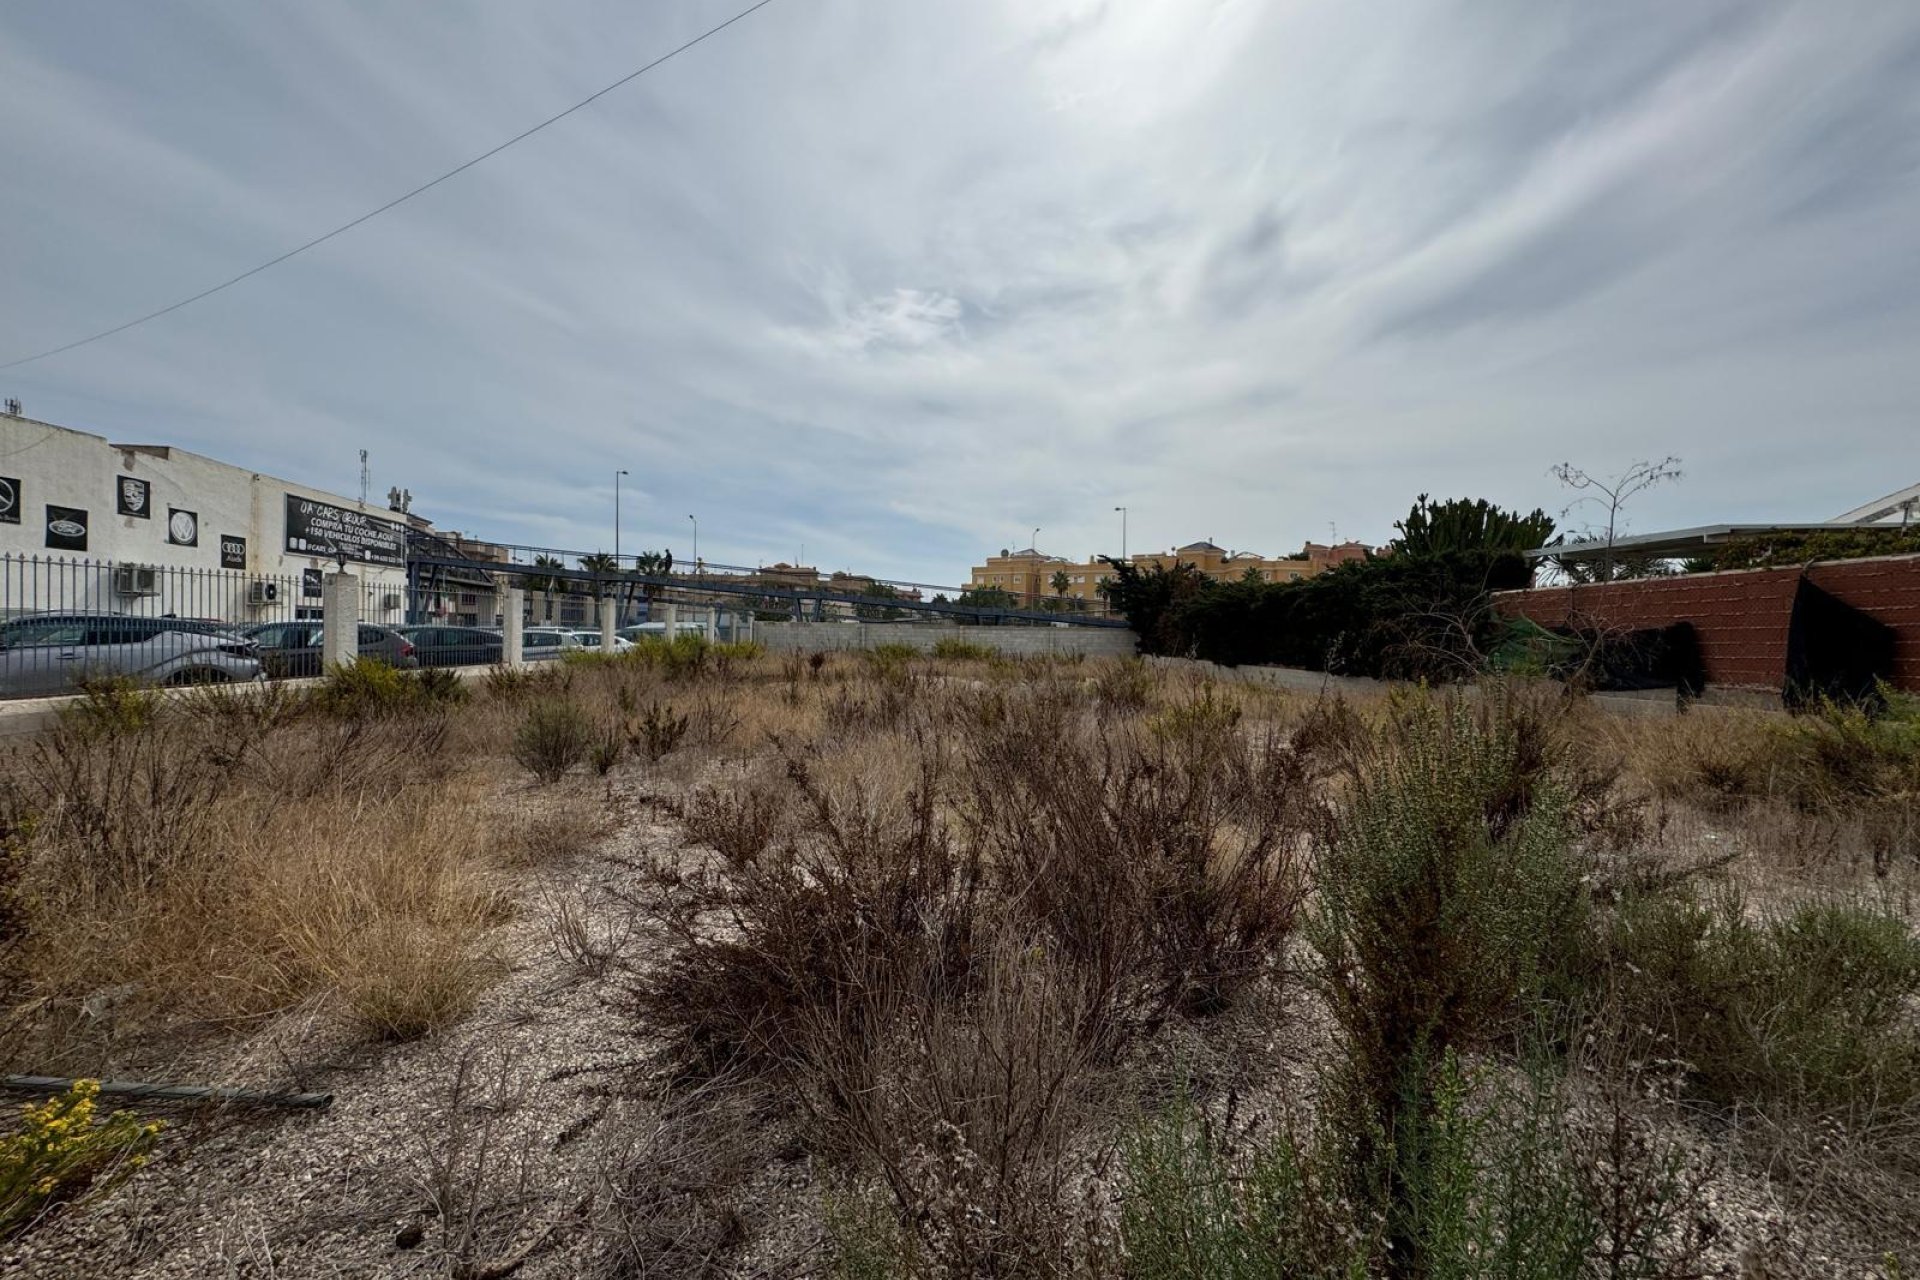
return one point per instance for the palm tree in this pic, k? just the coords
(602, 566)
(544, 583)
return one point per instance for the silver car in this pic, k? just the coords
(45, 654)
(543, 643)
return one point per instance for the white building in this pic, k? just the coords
(86, 523)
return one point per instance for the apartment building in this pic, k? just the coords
(1033, 575)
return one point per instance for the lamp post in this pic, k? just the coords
(696, 544)
(1123, 533)
(616, 520)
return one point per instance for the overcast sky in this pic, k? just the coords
(899, 280)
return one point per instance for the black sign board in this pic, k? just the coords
(9, 500)
(312, 585)
(183, 527)
(133, 496)
(322, 529)
(66, 528)
(233, 552)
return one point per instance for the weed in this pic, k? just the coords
(61, 1152)
(110, 705)
(739, 822)
(658, 732)
(1801, 1012)
(554, 736)
(607, 749)
(1448, 899)
(954, 649)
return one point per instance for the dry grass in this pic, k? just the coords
(934, 915)
(218, 864)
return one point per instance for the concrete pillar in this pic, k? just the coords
(339, 620)
(512, 619)
(713, 625)
(609, 611)
(670, 615)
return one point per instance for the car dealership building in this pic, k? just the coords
(90, 524)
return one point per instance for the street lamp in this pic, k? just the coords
(696, 544)
(1123, 533)
(616, 519)
(1035, 544)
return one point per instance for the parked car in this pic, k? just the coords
(436, 646)
(591, 640)
(539, 644)
(51, 653)
(292, 649)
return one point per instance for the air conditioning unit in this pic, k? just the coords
(390, 601)
(263, 593)
(136, 580)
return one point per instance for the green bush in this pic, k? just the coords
(890, 660)
(954, 649)
(555, 736)
(111, 705)
(1804, 1012)
(1508, 1187)
(1193, 1205)
(368, 688)
(1451, 906)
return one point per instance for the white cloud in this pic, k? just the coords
(902, 282)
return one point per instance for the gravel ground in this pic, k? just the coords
(543, 1090)
(551, 1073)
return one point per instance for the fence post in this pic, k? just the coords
(670, 614)
(339, 620)
(609, 607)
(713, 625)
(512, 618)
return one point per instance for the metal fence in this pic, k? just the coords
(55, 584)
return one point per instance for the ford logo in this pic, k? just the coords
(66, 528)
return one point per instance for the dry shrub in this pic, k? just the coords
(969, 1107)
(1168, 865)
(876, 700)
(657, 731)
(878, 889)
(1124, 685)
(557, 831)
(117, 814)
(554, 737)
(311, 758)
(586, 943)
(672, 1187)
(739, 821)
(477, 1164)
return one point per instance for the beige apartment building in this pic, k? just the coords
(1034, 576)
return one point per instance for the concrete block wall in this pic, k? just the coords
(816, 637)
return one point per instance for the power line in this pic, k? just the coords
(397, 201)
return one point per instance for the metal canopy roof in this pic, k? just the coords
(1677, 543)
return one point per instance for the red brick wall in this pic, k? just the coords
(1887, 588)
(1742, 616)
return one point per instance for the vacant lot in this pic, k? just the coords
(699, 962)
